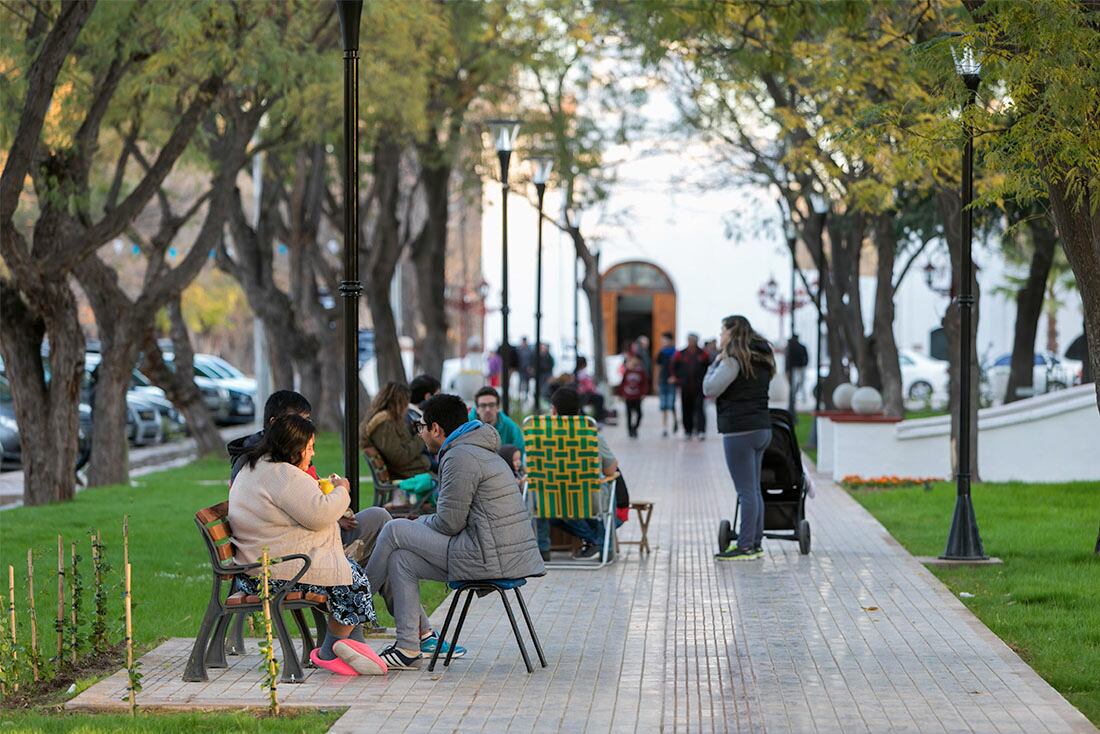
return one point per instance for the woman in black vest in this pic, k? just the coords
(738, 379)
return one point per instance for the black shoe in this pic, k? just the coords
(587, 550)
(545, 556)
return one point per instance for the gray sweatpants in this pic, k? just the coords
(744, 459)
(406, 552)
(370, 523)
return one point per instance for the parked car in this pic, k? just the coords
(216, 397)
(143, 395)
(1050, 373)
(11, 450)
(144, 423)
(923, 379)
(242, 389)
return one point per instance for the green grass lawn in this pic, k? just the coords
(171, 570)
(1044, 601)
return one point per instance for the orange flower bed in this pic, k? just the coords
(854, 481)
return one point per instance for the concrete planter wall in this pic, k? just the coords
(1049, 438)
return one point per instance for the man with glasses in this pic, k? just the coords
(487, 410)
(481, 529)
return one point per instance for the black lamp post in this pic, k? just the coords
(964, 543)
(504, 134)
(573, 221)
(543, 167)
(351, 287)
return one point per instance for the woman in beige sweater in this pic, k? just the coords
(275, 504)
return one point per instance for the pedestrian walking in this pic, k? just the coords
(525, 367)
(797, 361)
(689, 367)
(634, 387)
(666, 390)
(738, 380)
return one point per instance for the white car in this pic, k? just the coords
(1050, 373)
(923, 380)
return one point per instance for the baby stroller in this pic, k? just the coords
(783, 485)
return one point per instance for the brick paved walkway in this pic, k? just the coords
(857, 636)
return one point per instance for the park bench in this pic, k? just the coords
(209, 648)
(385, 487)
(564, 477)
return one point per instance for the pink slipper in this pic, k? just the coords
(336, 665)
(360, 657)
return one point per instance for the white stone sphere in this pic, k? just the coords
(842, 396)
(867, 401)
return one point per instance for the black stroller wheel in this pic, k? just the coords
(804, 537)
(725, 535)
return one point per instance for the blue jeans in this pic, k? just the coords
(667, 393)
(591, 531)
(744, 459)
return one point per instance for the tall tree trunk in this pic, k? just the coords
(1029, 307)
(382, 257)
(885, 345)
(429, 256)
(1078, 222)
(949, 204)
(110, 459)
(177, 384)
(590, 284)
(47, 413)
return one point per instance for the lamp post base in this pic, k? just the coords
(964, 542)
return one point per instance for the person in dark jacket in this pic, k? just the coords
(363, 525)
(689, 366)
(481, 528)
(738, 380)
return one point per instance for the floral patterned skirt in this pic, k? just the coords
(352, 604)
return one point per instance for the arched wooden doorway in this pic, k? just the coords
(638, 298)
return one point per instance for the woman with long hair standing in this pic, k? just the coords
(738, 380)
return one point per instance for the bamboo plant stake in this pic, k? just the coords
(4, 673)
(11, 621)
(272, 677)
(125, 541)
(74, 608)
(132, 684)
(60, 625)
(34, 616)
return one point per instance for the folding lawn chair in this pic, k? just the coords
(564, 477)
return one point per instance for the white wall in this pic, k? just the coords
(1049, 438)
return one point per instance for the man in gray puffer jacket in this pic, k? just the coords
(481, 528)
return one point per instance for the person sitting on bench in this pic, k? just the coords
(386, 430)
(362, 526)
(481, 529)
(275, 505)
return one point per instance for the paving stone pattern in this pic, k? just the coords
(855, 637)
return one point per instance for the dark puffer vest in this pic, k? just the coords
(743, 406)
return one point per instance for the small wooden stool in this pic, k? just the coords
(645, 514)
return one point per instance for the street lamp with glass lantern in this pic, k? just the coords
(504, 133)
(542, 168)
(964, 542)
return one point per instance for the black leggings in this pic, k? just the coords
(633, 416)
